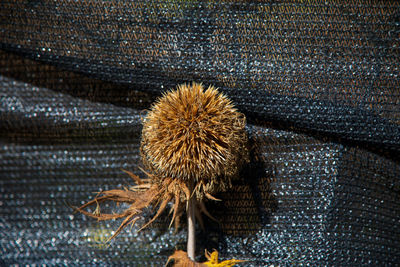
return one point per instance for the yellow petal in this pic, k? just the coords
(213, 260)
(182, 260)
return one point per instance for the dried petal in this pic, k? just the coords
(140, 197)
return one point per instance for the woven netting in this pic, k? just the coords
(319, 82)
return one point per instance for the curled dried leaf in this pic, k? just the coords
(181, 259)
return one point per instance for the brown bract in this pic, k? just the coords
(142, 195)
(195, 135)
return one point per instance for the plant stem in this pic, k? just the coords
(191, 240)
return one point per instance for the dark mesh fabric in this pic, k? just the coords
(319, 82)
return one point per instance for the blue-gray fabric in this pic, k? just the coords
(317, 80)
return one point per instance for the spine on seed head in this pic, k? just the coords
(195, 134)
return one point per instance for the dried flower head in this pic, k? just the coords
(195, 135)
(193, 141)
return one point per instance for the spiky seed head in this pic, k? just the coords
(195, 135)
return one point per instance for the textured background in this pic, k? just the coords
(318, 81)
